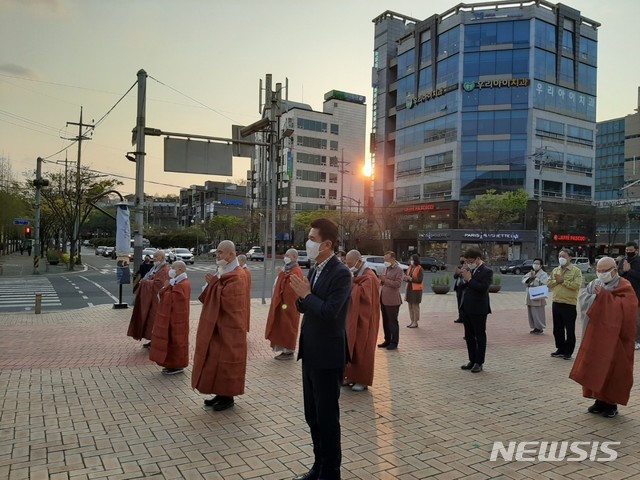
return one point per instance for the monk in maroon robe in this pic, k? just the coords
(363, 322)
(242, 261)
(283, 321)
(220, 360)
(146, 302)
(170, 341)
(604, 364)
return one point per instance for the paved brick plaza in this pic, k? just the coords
(81, 400)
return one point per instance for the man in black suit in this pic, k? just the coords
(474, 307)
(324, 299)
(457, 285)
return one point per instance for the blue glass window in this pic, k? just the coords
(449, 42)
(545, 65)
(405, 63)
(425, 80)
(566, 72)
(587, 78)
(567, 43)
(472, 37)
(425, 53)
(588, 51)
(545, 35)
(447, 73)
(406, 87)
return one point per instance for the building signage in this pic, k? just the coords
(492, 236)
(433, 236)
(514, 82)
(419, 208)
(571, 238)
(345, 96)
(425, 97)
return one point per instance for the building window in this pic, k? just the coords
(437, 190)
(333, 194)
(549, 128)
(579, 192)
(409, 167)
(311, 176)
(411, 192)
(425, 53)
(545, 65)
(333, 161)
(449, 42)
(566, 73)
(439, 161)
(545, 35)
(405, 63)
(313, 125)
(335, 129)
(312, 142)
(310, 158)
(310, 192)
(567, 43)
(333, 145)
(588, 51)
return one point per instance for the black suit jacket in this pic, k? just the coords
(475, 300)
(323, 334)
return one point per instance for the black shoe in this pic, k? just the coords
(212, 401)
(383, 345)
(538, 331)
(223, 404)
(310, 475)
(392, 346)
(477, 367)
(610, 412)
(567, 357)
(557, 353)
(172, 371)
(458, 321)
(467, 366)
(147, 345)
(597, 407)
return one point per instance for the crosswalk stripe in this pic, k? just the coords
(21, 292)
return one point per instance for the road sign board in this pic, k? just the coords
(19, 221)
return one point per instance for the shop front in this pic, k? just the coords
(581, 245)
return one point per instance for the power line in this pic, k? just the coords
(56, 84)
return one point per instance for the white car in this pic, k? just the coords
(583, 263)
(376, 263)
(255, 253)
(184, 254)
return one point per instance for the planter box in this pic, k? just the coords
(440, 289)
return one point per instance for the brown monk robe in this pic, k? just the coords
(284, 318)
(363, 322)
(242, 261)
(170, 342)
(220, 360)
(604, 364)
(146, 304)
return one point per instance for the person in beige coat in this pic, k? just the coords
(390, 300)
(535, 306)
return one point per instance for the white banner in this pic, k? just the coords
(123, 231)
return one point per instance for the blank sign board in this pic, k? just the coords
(197, 156)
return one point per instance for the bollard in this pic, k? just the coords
(38, 303)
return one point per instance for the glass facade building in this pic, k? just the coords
(489, 96)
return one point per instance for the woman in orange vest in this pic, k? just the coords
(413, 296)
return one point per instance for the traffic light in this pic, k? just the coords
(27, 232)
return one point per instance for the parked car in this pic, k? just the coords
(255, 253)
(100, 250)
(185, 255)
(303, 259)
(169, 256)
(109, 252)
(517, 267)
(376, 263)
(148, 251)
(430, 263)
(583, 263)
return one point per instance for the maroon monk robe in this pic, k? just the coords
(220, 360)
(362, 327)
(284, 318)
(604, 364)
(170, 341)
(146, 305)
(247, 272)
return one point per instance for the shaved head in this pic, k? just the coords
(158, 256)
(242, 260)
(352, 258)
(605, 264)
(180, 267)
(227, 246)
(292, 253)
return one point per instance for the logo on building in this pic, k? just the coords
(425, 97)
(513, 82)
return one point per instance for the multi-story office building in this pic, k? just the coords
(320, 165)
(200, 203)
(494, 95)
(618, 182)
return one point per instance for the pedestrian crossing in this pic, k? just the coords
(18, 292)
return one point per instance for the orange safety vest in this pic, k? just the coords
(413, 273)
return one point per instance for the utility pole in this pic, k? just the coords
(38, 183)
(139, 153)
(342, 171)
(75, 241)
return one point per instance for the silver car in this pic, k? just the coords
(376, 263)
(185, 255)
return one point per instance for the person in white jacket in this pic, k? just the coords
(536, 302)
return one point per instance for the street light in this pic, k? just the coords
(537, 156)
(353, 200)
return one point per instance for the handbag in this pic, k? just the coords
(537, 293)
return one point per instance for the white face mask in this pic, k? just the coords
(313, 249)
(562, 261)
(286, 260)
(156, 263)
(387, 264)
(537, 266)
(222, 263)
(413, 263)
(472, 265)
(172, 273)
(605, 277)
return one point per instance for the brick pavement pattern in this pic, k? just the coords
(81, 400)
